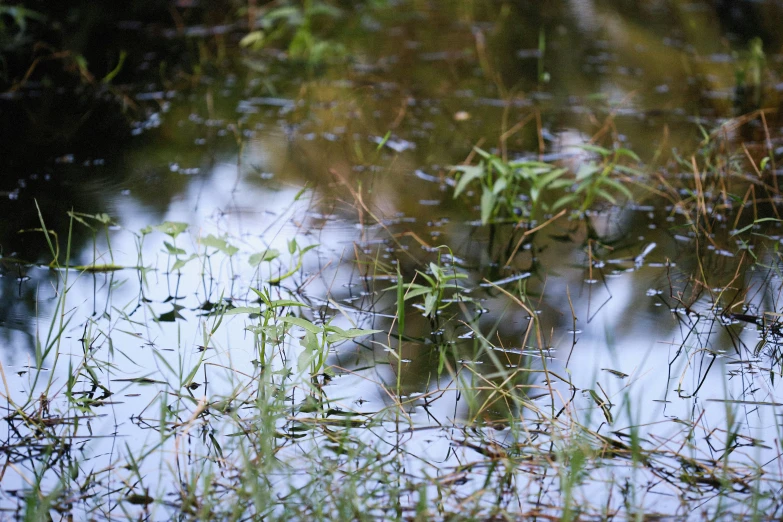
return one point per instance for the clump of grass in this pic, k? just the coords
(254, 398)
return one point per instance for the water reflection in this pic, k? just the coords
(618, 307)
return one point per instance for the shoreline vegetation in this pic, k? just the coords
(316, 261)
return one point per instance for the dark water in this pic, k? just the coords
(632, 303)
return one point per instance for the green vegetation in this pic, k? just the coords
(516, 190)
(279, 298)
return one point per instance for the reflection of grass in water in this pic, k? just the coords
(279, 437)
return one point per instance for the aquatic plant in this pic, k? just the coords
(513, 191)
(296, 25)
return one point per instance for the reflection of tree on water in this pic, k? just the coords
(19, 300)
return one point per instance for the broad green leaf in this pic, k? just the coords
(499, 166)
(430, 280)
(304, 360)
(586, 170)
(469, 173)
(303, 323)
(500, 186)
(219, 244)
(171, 228)
(534, 193)
(430, 305)
(267, 255)
(546, 179)
(417, 292)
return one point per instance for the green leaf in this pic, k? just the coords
(219, 244)
(352, 333)
(300, 193)
(546, 179)
(383, 141)
(182, 262)
(306, 249)
(488, 201)
(628, 170)
(619, 187)
(417, 292)
(586, 170)
(303, 323)
(267, 255)
(756, 222)
(174, 251)
(171, 228)
(629, 153)
(500, 186)
(499, 166)
(527, 164)
(534, 193)
(284, 302)
(484, 154)
(304, 360)
(244, 310)
(608, 197)
(594, 148)
(469, 174)
(430, 305)
(565, 200)
(114, 72)
(561, 183)
(254, 39)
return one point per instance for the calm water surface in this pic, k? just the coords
(370, 136)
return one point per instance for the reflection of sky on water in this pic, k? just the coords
(626, 331)
(332, 134)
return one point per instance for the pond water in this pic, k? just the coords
(221, 335)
